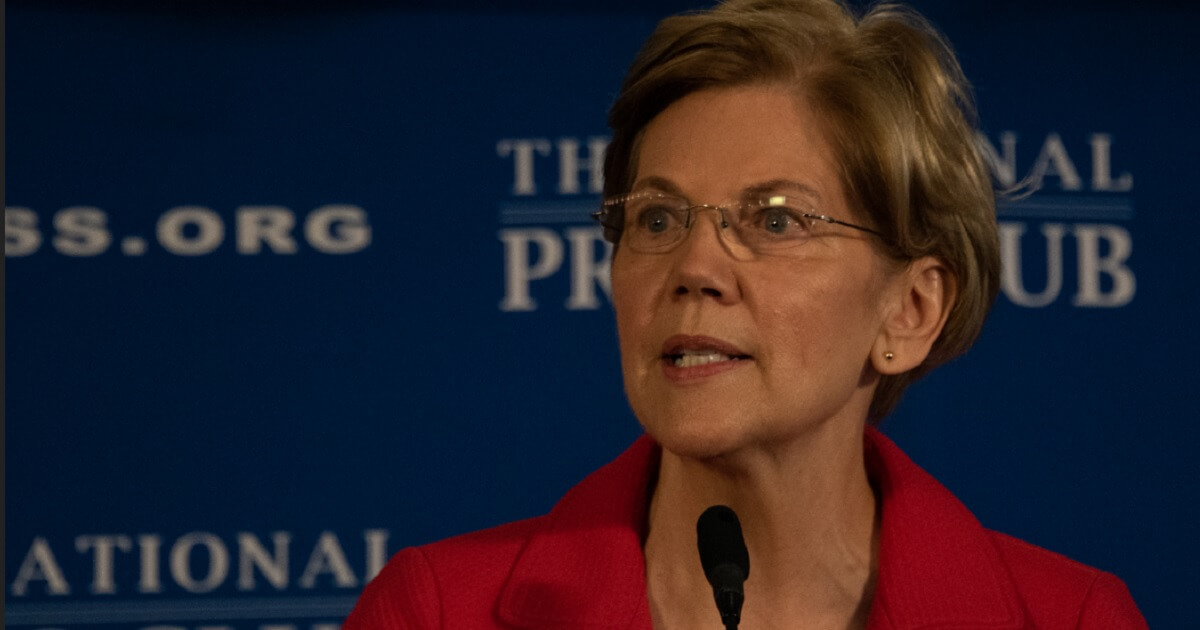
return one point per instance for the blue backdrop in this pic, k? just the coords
(291, 287)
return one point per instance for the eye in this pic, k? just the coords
(781, 221)
(653, 217)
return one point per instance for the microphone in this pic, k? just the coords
(725, 560)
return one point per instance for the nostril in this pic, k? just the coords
(708, 291)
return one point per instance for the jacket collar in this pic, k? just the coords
(583, 567)
(938, 567)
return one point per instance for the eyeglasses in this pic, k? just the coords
(654, 222)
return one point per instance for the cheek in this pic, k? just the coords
(622, 295)
(818, 323)
(632, 299)
(634, 287)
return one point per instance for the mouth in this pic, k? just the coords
(685, 351)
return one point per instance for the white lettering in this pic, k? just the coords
(518, 272)
(570, 164)
(1092, 266)
(81, 231)
(251, 554)
(210, 231)
(265, 224)
(586, 270)
(1011, 278)
(1054, 160)
(522, 150)
(218, 562)
(376, 552)
(1102, 166)
(39, 564)
(328, 557)
(102, 559)
(21, 236)
(338, 229)
(149, 581)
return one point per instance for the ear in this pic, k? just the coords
(918, 305)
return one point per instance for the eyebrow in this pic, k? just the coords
(777, 185)
(665, 185)
(658, 183)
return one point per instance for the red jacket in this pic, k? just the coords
(581, 565)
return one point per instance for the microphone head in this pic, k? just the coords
(719, 536)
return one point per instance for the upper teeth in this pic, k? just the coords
(691, 358)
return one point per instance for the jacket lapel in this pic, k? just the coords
(938, 567)
(584, 568)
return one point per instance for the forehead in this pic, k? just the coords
(718, 143)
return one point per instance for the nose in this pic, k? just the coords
(704, 261)
(695, 211)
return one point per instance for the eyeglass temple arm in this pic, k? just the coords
(829, 219)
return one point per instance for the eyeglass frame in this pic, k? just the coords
(606, 205)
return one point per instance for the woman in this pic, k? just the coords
(803, 226)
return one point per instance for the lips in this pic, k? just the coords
(690, 351)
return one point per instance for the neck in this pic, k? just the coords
(809, 518)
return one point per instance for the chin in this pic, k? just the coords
(698, 436)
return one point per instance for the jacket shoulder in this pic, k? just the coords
(1061, 593)
(467, 571)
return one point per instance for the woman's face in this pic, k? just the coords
(779, 343)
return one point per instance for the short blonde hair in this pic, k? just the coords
(896, 109)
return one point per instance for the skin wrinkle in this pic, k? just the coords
(819, 252)
(782, 429)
